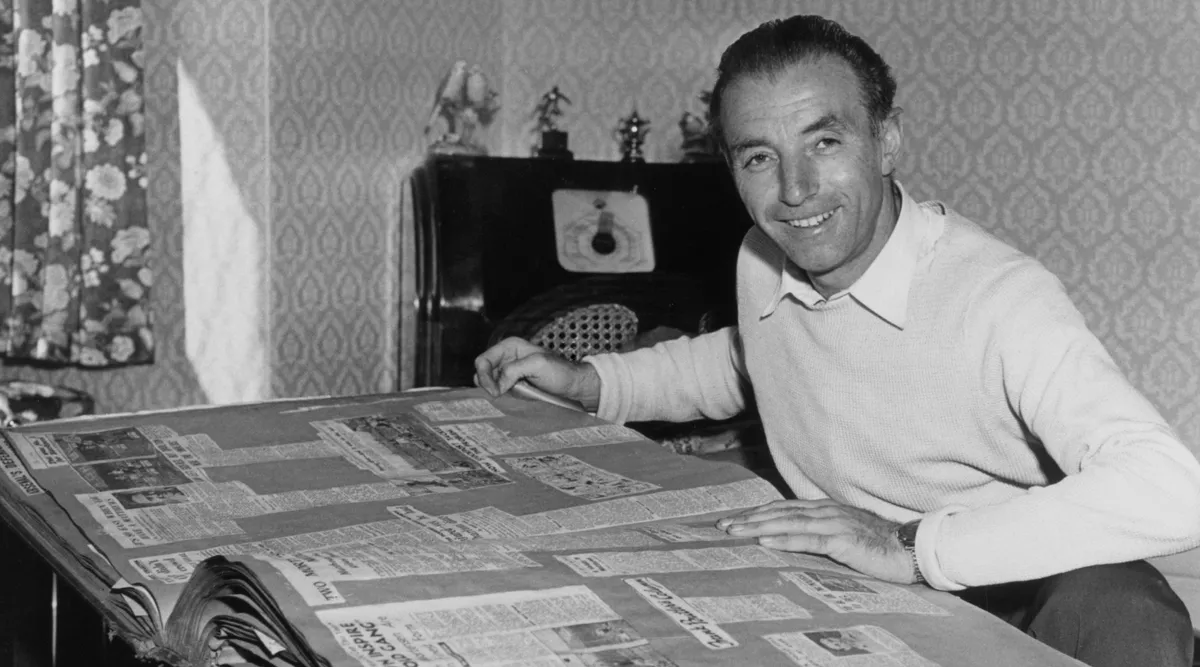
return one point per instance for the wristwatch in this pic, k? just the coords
(907, 534)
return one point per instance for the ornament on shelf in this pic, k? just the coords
(552, 141)
(631, 134)
(698, 143)
(463, 103)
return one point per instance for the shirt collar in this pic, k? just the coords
(883, 288)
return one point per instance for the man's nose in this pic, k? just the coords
(797, 181)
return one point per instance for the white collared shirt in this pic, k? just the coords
(883, 287)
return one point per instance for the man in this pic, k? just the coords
(931, 395)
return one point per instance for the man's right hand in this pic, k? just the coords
(514, 359)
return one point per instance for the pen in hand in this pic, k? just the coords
(526, 390)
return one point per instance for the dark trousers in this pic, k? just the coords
(1123, 615)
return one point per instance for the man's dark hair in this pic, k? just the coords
(774, 46)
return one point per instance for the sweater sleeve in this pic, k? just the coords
(1131, 489)
(676, 380)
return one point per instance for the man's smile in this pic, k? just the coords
(811, 221)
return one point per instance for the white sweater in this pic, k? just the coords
(936, 387)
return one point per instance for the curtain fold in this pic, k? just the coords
(74, 243)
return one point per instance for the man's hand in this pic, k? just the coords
(514, 359)
(856, 538)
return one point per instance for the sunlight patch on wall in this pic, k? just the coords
(223, 264)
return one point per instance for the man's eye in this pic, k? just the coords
(755, 160)
(828, 143)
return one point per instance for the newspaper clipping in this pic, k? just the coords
(569, 625)
(859, 595)
(401, 446)
(704, 629)
(490, 438)
(465, 409)
(858, 646)
(576, 478)
(747, 608)
(17, 472)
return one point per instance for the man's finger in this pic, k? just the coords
(784, 504)
(815, 509)
(483, 375)
(517, 370)
(791, 524)
(758, 516)
(819, 511)
(799, 542)
(490, 364)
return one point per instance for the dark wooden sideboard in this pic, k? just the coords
(486, 244)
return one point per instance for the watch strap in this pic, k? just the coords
(906, 533)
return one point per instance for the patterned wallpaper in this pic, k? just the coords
(351, 84)
(1072, 130)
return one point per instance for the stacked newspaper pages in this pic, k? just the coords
(445, 528)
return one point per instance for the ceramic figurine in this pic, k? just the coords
(463, 103)
(698, 143)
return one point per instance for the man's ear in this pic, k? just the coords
(891, 137)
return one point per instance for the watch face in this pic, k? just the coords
(908, 533)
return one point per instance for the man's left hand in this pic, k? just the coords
(856, 538)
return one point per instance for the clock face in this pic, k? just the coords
(601, 231)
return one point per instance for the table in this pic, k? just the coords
(44, 622)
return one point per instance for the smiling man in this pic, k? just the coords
(812, 165)
(935, 402)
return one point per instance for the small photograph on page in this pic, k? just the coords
(131, 474)
(844, 643)
(142, 498)
(113, 445)
(589, 636)
(421, 486)
(866, 645)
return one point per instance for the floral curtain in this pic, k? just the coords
(74, 244)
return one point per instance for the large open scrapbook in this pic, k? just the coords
(446, 528)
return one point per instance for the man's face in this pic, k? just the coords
(809, 169)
